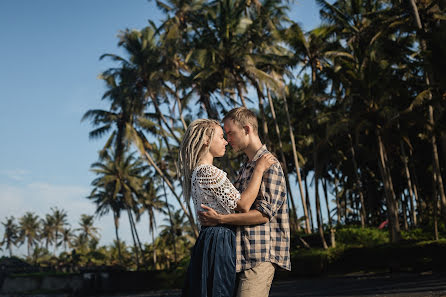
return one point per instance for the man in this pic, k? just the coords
(263, 237)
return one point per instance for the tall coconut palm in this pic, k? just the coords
(59, 223)
(66, 238)
(48, 233)
(438, 179)
(29, 225)
(87, 231)
(10, 235)
(127, 114)
(116, 187)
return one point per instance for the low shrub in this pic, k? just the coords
(364, 237)
(403, 256)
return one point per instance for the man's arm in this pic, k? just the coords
(212, 218)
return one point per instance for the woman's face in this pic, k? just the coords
(218, 145)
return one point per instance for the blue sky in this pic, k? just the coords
(49, 63)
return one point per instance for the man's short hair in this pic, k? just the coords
(242, 117)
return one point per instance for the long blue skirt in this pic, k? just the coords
(211, 271)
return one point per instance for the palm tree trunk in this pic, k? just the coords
(338, 203)
(55, 242)
(436, 163)
(154, 247)
(116, 221)
(240, 94)
(324, 186)
(296, 163)
(210, 110)
(163, 119)
(180, 109)
(134, 241)
(262, 113)
(443, 146)
(171, 224)
(404, 209)
(415, 183)
(392, 209)
(435, 208)
(358, 183)
(330, 222)
(307, 199)
(276, 125)
(136, 232)
(409, 185)
(318, 203)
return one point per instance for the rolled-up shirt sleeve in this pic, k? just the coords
(272, 192)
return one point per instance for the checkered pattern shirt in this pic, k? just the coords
(269, 242)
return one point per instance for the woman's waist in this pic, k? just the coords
(224, 226)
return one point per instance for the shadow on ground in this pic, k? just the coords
(384, 285)
(400, 285)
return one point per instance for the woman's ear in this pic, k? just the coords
(206, 141)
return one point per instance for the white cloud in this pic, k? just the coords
(17, 174)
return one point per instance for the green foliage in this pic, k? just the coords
(366, 237)
(406, 256)
(417, 234)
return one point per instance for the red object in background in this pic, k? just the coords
(383, 224)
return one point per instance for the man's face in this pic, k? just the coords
(236, 135)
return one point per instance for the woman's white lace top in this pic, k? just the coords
(210, 186)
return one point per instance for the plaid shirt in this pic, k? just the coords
(269, 242)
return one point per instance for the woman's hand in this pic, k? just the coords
(265, 162)
(209, 217)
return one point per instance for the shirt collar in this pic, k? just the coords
(260, 152)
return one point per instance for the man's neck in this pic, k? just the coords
(252, 149)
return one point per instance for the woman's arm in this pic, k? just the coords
(211, 218)
(249, 195)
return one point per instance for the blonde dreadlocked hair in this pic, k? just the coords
(192, 148)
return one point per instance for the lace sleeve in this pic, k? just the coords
(215, 183)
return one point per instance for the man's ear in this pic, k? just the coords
(247, 129)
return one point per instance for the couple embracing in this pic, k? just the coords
(244, 227)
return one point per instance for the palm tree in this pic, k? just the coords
(88, 232)
(105, 195)
(150, 202)
(48, 231)
(117, 188)
(10, 235)
(59, 222)
(66, 238)
(175, 231)
(29, 226)
(438, 180)
(127, 113)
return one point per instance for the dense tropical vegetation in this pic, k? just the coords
(354, 109)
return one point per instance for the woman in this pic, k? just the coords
(211, 271)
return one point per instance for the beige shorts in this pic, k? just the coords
(256, 282)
